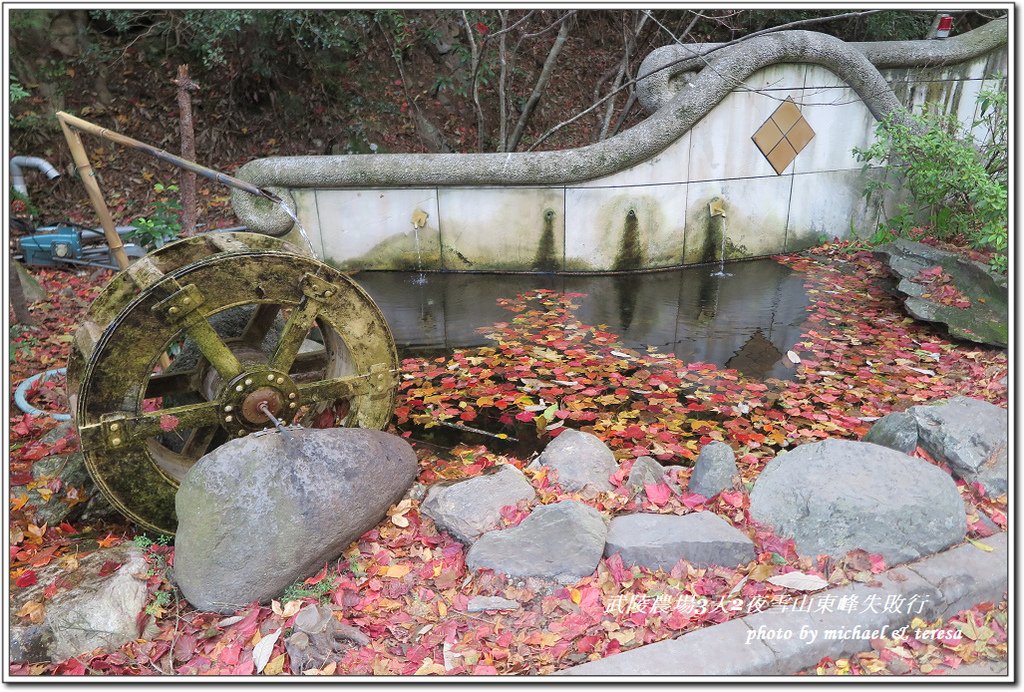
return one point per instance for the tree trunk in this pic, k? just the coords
(475, 67)
(188, 150)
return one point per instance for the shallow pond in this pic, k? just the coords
(747, 320)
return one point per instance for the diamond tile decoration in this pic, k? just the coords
(783, 135)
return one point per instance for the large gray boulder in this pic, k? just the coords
(970, 436)
(714, 470)
(896, 431)
(260, 512)
(837, 495)
(562, 541)
(99, 609)
(582, 460)
(659, 541)
(469, 508)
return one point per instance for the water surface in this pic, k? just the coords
(747, 320)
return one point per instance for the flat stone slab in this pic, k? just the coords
(562, 541)
(468, 509)
(985, 321)
(971, 436)
(834, 496)
(785, 640)
(659, 541)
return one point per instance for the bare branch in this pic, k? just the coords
(475, 62)
(502, 77)
(542, 81)
(702, 57)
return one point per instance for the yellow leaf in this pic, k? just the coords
(980, 545)
(576, 596)
(34, 611)
(872, 665)
(44, 493)
(623, 637)
(276, 666)
(430, 668)
(419, 218)
(549, 639)
(442, 609)
(968, 629)
(333, 665)
(397, 571)
(18, 502)
(289, 609)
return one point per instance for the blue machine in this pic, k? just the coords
(65, 243)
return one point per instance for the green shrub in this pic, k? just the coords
(163, 224)
(960, 185)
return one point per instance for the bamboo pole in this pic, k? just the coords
(88, 176)
(216, 176)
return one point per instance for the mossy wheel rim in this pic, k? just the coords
(333, 351)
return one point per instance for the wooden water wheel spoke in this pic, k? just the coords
(199, 442)
(309, 362)
(299, 323)
(165, 383)
(260, 324)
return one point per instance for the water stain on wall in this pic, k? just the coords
(545, 260)
(504, 230)
(630, 255)
(631, 232)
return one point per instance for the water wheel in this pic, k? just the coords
(180, 352)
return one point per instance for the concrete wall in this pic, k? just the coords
(651, 211)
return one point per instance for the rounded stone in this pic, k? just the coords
(835, 496)
(471, 507)
(581, 460)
